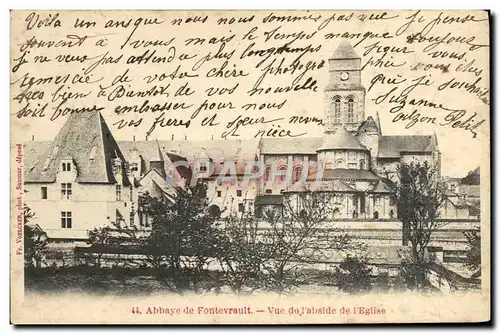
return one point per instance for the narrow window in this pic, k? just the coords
(66, 167)
(219, 193)
(44, 192)
(336, 115)
(241, 207)
(238, 193)
(118, 192)
(350, 111)
(92, 153)
(298, 174)
(283, 176)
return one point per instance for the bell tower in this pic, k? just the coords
(344, 95)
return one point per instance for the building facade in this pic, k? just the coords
(85, 170)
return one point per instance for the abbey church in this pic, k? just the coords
(84, 169)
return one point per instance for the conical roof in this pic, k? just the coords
(341, 139)
(382, 188)
(345, 51)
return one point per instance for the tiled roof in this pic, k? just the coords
(344, 51)
(393, 146)
(306, 145)
(341, 139)
(382, 188)
(346, 174)
(333, 185)
(87, 140)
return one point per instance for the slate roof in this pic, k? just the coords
(344, 51)
(81, 134)
(341, 139)
(241, 151)
(346, 174)
(393, 146)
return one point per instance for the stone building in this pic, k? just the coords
(85, 170)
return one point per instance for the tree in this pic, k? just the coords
(182, 239)
(241, 252)
(419, 196)
(35, 242)
(353, 275)
(301, 235)
(472, 178)
(99, 238)
(474, 251)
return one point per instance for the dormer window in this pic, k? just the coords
(66, 166)
(92, 153)
(203, 168)
(117, 166)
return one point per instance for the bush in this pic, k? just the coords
(353, 275)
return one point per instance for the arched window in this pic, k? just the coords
(350, 110)
(336, 110)
(282, 169)
(214, 211)
(268, 173)
(297, 173)
(339, 163)
(361, 164)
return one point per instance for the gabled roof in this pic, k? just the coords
(87, 140)
(344, 51)
(341, 139)
(393, 146)
(369, 125)
(241, 150)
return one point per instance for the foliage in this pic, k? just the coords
(99, 237)
(473, 250)
(472, 178)
(382, 283)
(182, 238)
(300, 235)
(35, 242)
(353, 275)
(240, 253)
(419, 197)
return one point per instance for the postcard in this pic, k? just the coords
(250, 167)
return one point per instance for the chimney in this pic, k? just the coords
(32, 137)
(172, 136)
(133, 138)
(185, 137)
